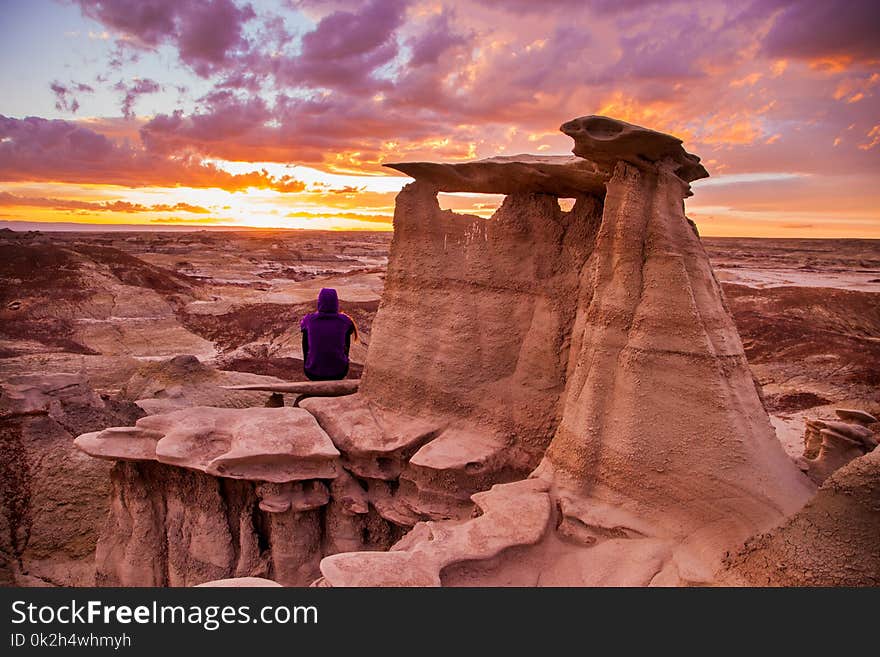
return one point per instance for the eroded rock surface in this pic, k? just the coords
(830, 444)
(208, 493)
(592, 348)
(476, 316)
(184, 381)
(513, 515)
(596, 340)
(277, 445)
(605, 140)
(556, 175)
(832, 541)
(54, 498)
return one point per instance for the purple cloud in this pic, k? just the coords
(206, 33)
(36, 149)
(810, 29)
(347, 47)
(436, 38)
(133, 91)
(65, 101)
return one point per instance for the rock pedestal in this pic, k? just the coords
(550, 397)
(597, 344)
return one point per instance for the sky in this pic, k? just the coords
(280, 114)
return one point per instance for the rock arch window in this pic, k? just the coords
(566, 203)
(481, 205)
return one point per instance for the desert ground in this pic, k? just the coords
(106, 304)
(135, 323)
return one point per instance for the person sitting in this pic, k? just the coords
(326, 339)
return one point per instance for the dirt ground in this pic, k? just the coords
(808, 311)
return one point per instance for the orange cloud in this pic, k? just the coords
(7, 199)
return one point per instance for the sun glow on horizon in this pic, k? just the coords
(330, 201)
(282, 115)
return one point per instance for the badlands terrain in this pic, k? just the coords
(166, 319)
(548, 397)
(112, 305)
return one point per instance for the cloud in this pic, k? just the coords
(374, 218)
(346, 48)
(435, 40)
(138, 87)
(600, 6)
(332, 130)
(206, 33)
(817, 29)
(35, 149)
(8, 199)
(64, 98)
(226, 117)
(344, 85)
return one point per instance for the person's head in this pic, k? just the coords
(328, 302)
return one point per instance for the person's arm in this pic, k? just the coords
(348, 339)
(305, 345)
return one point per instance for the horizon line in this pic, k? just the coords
(77, 227)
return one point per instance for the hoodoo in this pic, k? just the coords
(550, 397)
(596, 340)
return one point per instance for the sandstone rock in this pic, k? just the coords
(394, 503)
(296, 495)
(513, 514)
(603, 139)
(441, 477)
(184, 381)
(832, 541)
(476, 315)
(263, 444)
(661, 415)
(348, 532)
(829, 445)
(171, 526)
(315, 388)
(349, 493)
(853, 415)
(241, 582)
(375, 442)
(120, 443)
(53, 498)
(564, 176)
(597, 340)
(36, 394)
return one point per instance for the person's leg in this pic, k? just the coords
(314, 377)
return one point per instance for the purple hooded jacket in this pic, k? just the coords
(326, 339)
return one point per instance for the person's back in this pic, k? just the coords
(326, 339)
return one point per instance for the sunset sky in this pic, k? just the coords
(280, 114)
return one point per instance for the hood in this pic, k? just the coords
(328, 302)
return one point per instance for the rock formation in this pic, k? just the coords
(208, 493)
(550, 397)
(54, 498)
(596, 341)
(832, 541)
(184, 381)
(829, 444)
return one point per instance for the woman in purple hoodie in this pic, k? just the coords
(326, 339)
